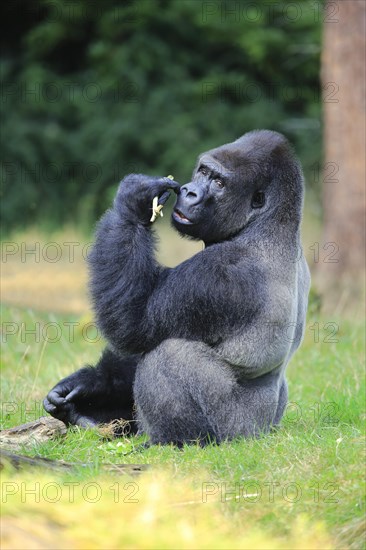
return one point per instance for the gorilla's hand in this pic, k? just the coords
(136, 193)
(69, 400)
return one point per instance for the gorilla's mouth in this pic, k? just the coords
(181, 218)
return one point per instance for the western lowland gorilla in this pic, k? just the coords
(198, 351)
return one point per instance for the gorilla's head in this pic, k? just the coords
(254, 178)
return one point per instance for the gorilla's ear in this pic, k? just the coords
(258, 199)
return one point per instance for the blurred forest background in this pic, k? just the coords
(95, 90)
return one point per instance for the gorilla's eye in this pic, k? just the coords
(258, 199)
(202, 170)
(219, 183)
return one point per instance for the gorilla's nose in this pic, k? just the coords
(191, 193)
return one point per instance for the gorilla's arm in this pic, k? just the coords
(138, 303)
(123, 270)
(94, 395)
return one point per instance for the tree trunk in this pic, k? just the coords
(342, 263)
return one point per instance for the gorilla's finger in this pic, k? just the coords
(167, 183)
(73, 393)
(61, 413)
(164, 197)
(55, 397)
(48, 407)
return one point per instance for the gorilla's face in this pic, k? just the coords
(210, 207)
(223, 195)
(235, 184)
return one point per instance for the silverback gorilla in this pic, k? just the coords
(199, 351)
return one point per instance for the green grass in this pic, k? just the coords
(306, 479)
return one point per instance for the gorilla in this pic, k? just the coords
(198, 352)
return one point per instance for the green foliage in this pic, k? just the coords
(95, 90)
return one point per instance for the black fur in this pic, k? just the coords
(209, 339)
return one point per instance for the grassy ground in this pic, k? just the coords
(299, 487)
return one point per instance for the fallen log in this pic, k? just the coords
(21, 462)
(43, 429)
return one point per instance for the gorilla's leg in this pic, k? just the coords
(95, 395)
(184, 391)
